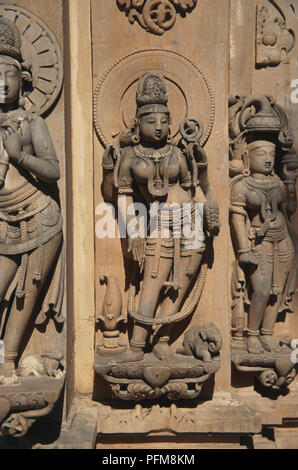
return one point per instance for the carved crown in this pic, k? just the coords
(152, 89)
(10, 39)
(152, 95)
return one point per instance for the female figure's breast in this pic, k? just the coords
(266, 204)
(14, 180)
(145, 168)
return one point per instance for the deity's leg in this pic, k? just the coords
(22, 309)
(8, 269)
(150, 292)
(261, 279)
(274, 303)
(173, 302)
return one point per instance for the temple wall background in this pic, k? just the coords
(98, 42)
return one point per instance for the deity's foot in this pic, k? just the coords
(163, 351)
(269, 343)
(128, 356)
(8, 374)
(253, 345)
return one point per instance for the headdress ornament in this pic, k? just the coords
(152, 96)
(10, 39)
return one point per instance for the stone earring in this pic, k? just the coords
(246, 170)
(22, 100)
(135, 138)
(169, 137)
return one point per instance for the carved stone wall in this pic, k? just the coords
(224, 69)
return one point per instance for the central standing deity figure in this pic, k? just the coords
(148, 168)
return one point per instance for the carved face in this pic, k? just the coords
(10, 80)
(154, 127)
(261, 156)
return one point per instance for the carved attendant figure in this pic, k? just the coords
(30, 219)
(150, 169)
(262, 203)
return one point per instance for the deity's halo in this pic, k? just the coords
(40, 53)
(189, 91)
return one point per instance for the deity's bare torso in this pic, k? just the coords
(263, 199)
(170, 167)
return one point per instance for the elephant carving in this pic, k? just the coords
(201, 341)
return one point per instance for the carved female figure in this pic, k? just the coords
(30, 218)
(149, 168)
(261, 204)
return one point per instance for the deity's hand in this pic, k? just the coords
(289, 174)
(136, 246)
(248, 257)
(108, 156)
(12, 140)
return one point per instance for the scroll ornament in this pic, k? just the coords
(274, 39)
(155, 16)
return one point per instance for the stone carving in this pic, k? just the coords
(42, 56)
(118, 86)
(31, 240)
(23, 403)
(263, 167)
(169, 270)
(155, 16)
(111, 317)
(202, 342)
(224, 413)
(274, 40)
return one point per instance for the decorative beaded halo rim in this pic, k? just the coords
(45, 54)
(98, 119)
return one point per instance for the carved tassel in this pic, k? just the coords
(275, 281)
(38, 269)
(156, 258)
(23, 268)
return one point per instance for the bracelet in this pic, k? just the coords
(244, 250)
(21, 157)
